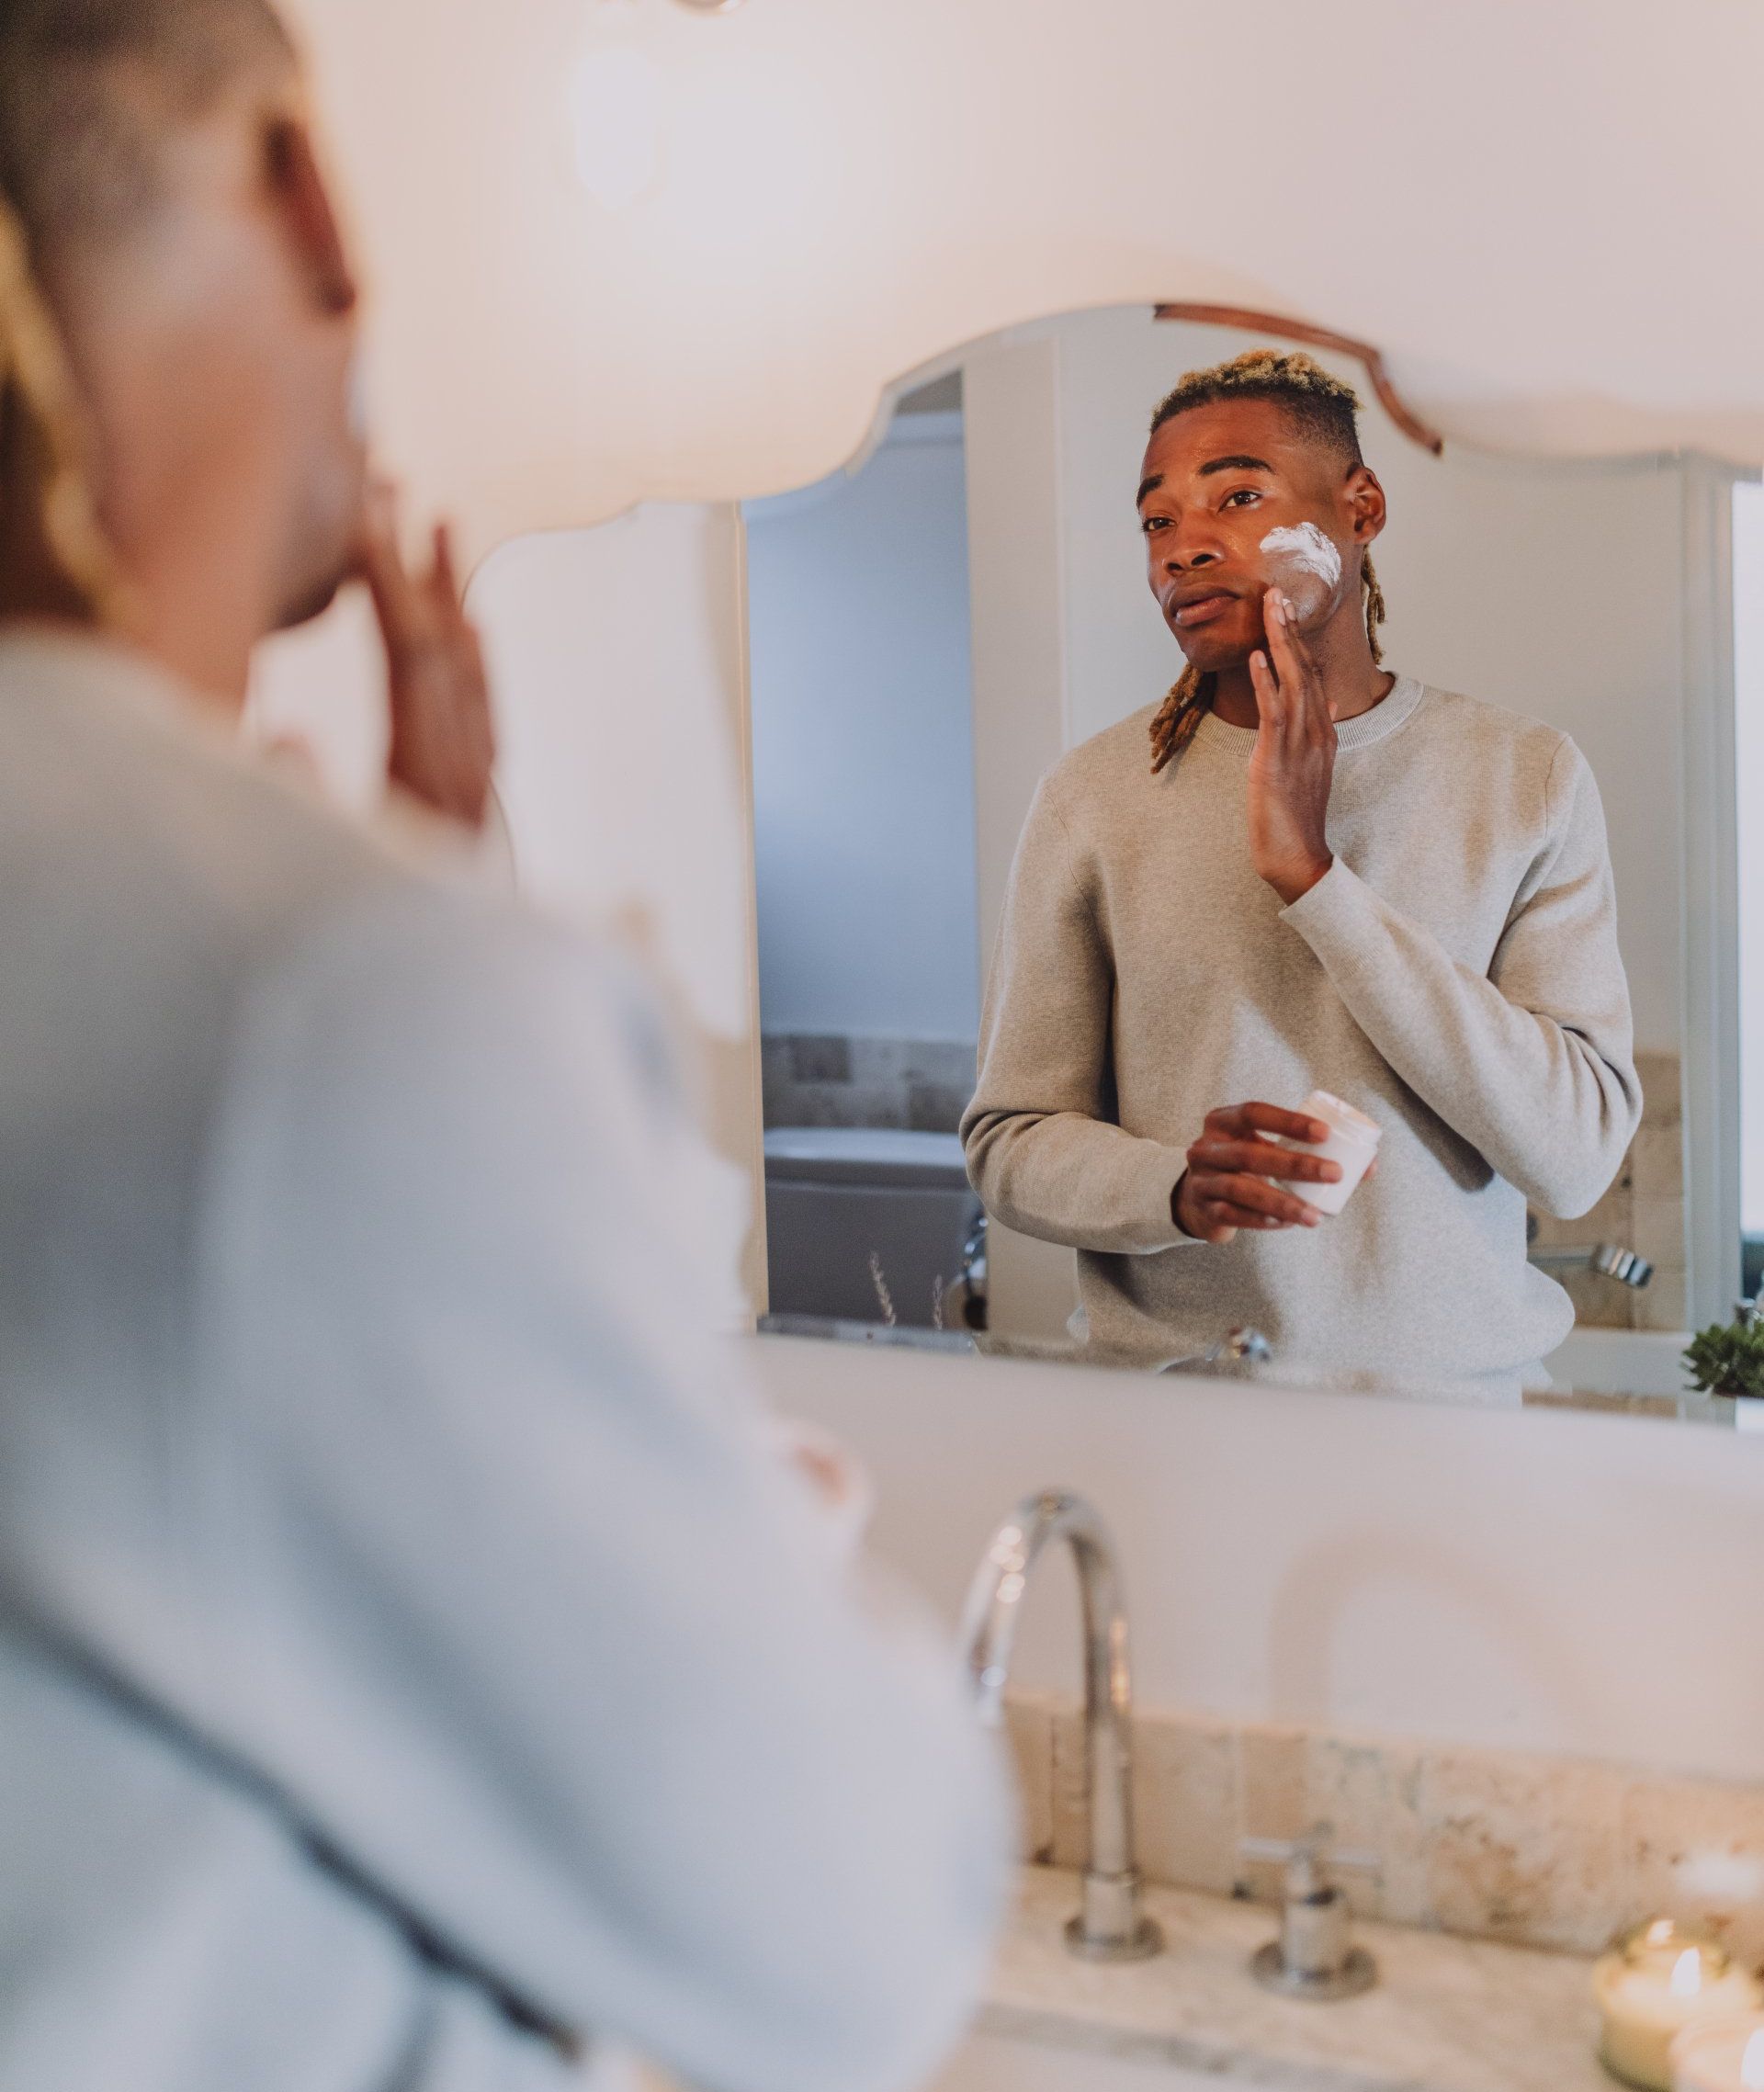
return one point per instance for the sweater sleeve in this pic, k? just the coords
(1042, 1151)
(1532, 1063)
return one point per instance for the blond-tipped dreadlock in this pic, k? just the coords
(90, 90)
(1324, 407)
(43, 430)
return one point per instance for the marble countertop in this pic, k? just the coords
(1448, 2014)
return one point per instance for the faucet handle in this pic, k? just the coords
(1310, 1860)
(1314, 1956)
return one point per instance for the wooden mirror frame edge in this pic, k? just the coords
(1410, 423)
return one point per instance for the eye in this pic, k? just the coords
(1247, 496)
(1155, 523)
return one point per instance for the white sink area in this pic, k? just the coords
(998, 2062)
(1621, 1362)
(1447, 2015)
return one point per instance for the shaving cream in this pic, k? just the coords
(1304, 564)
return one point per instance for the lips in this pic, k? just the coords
(1201, 609)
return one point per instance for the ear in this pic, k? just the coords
(1364, 498)
(298, 195)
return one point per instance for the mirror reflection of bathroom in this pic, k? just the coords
(933, 631)
(864, 790)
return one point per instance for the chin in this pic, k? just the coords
(1228, 644)
(331, 557)
(1209, 660)
(324, 547)
(312, 601)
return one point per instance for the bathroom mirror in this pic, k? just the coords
(934, 628)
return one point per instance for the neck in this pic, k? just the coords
(1342, 652)
(195, 609)
(201, 639)
(212, 664)
(202, 578)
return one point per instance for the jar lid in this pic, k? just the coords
(1352, 1123)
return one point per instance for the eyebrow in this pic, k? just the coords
(1235, 465)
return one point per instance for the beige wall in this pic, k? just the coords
(1584, 1586)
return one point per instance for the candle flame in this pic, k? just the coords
(1751, 2066)
(1687, 1973)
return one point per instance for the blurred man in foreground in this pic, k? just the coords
(413, 1663)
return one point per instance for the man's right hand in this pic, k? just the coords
(443, 738)
(1227, 1184)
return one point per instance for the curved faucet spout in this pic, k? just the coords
(1111, 1925)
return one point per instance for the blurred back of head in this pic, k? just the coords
(176, 325)
(91, 89)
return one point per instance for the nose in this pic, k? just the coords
(1189, 546)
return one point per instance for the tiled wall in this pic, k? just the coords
(923, 1084)
(1545, 1852)
(1643, 1211)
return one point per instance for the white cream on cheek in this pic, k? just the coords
(1304, 565)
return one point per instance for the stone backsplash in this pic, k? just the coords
(819, 1079)
(1537, 1851)
(1643, 1211)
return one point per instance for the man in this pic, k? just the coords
(414, 1662)
(1317, 876)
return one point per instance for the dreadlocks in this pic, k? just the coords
(88, 89)
(1326, 409)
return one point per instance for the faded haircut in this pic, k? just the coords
(1324, 406)
(89, 89)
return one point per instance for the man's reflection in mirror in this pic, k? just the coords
(1302, 873)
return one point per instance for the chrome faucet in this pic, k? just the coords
(1607, 1259)
(1314, 1956)
(1111, 1925)
(1242, 1347)
(969, 1292)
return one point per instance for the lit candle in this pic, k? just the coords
(1661, 1980)
(1720, 2055)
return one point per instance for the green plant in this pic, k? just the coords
(1728, 1359)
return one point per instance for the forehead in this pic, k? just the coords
(1227, 428)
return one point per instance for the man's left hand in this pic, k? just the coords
(1292, 767)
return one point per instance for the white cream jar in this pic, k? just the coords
(1352, 1142)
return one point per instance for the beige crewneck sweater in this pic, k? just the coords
(1456, 974)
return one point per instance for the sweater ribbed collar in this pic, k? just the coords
(39, 657)
(1365, 730)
